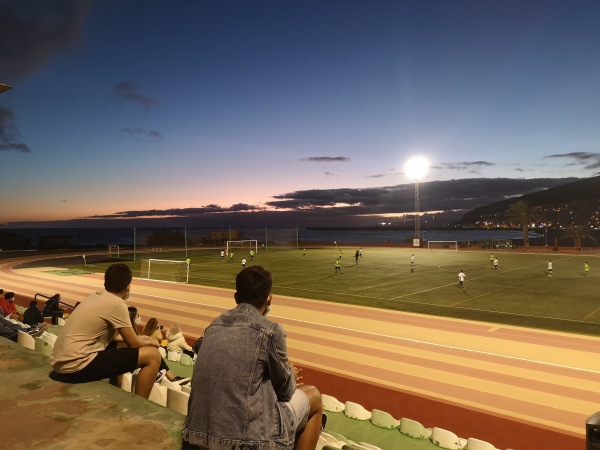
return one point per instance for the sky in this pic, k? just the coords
(130, 109)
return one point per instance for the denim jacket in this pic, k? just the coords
(240, 383)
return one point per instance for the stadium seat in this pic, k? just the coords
(329, 440)
(127, 382)
(331, 403)
(383, 419)
(187, 388)
(60, 322)
(43, 347)
(177, 385)
(159, 394)
(174, 356)
(26, 340)
(178, 401)
(163, 352)
(447, 439)
(50, 338)
(331, 447)
(356, 411)
(477, 444)
(186, 360)
(414, 429)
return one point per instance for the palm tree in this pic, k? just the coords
(523, 214)
(578, 233)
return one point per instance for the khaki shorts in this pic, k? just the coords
(299, 405)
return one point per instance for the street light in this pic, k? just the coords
(416, 169)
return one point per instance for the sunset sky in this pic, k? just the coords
(132, 108)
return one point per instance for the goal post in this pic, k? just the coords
(241, 246)
(113, 251)
(442, 245)
(165, 270)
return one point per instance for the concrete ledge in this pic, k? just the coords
(37, 412)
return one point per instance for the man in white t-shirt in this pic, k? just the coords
(461, 279)
(549, 268)
(80, 353)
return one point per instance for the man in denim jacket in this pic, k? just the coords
(244, 391)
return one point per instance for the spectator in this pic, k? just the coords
(152, 329)
(10, 330)
(9, 309)
(80, 353)
(34, 317)
(53, 309)
(135, 319)
(177, 343)
(244, 391)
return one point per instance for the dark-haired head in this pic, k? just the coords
(117, 278)
(253, 285)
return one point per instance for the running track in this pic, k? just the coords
(514, 387)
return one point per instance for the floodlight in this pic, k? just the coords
(416, 168)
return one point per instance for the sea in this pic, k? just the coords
(95, 237)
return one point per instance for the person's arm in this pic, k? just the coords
(282, 374)
(134, 341)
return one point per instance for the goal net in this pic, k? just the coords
(165, 270)
(442, 245)
(242, 246)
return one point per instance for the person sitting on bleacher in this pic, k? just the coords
(80, 353)
(9, 310)
(53, 309)
(152, 329)
(176, 341)
(244, 392)
(34, 317)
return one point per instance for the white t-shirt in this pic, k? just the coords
(461, 276)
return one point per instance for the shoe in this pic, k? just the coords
(160, 375)
(35, 332)
(323, 421)
(180, 380)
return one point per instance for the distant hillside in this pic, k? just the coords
(582, 198)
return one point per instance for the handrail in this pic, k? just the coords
(35, 297)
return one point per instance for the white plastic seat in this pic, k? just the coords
(61, 322)
(25, 340)
(50, 338)
(477, 444)
(174, 356)
(43, 347)
(159, 394)
(177, 400)
(368, 446)
(356, 411)
(414, 429)
(331, 403)
(127, 382)
(187, 388)
(162, 351)
(186, 360)
(328, 439)
(384, 419)
(447, 439)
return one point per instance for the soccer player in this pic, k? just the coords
(243, 263)
(231, 257)
(222, 254)
(303, 253)
(251, 254)
(549, 268)
(496, 264)
(492, 257)
(356, 254)
(338, 265)
(586, 269)
(461, 279)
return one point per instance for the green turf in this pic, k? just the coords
(520, 294)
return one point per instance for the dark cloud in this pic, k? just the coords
(33, 31)
(376, 176)
(327, 159)
(588, 160)
(180, 212)
(9, 134)
(128, 90)
(465, 194)
(331, 174)
(139, 131)
(471, 166)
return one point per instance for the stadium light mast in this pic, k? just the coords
(416, 169)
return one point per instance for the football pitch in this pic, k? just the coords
(519, 293)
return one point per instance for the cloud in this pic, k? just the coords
(9, 134)
(588, 160)
(331, 174)
(128, 90)
(326, 159)
(33, 31)
(180, 212)
(139, 131)
(464, 194)
(471, 166)
(376, 176)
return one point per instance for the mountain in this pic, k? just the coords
(572, 203)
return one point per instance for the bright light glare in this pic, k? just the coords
(416, 168)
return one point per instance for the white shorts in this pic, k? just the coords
(299, 405)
